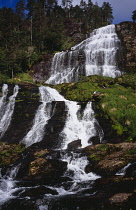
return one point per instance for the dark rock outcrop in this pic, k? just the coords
(127, 33)
(108, 159)
(40, 71)
(74, 145)
(27, 102)
(131, 170)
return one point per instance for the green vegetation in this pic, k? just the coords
(131, 152)
(99, 152)
(37, 28)
(134, 16)
(21, 77)
(116, 99)
(10, 153)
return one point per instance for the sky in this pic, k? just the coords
(122, 9)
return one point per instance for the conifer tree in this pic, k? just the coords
(20, 9)
(134, 16)
(30, 7)
(107, 13)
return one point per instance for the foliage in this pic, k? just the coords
(3, 78)
(10, 153)
(21, 77)
(45, 26)
(131, 152)
(134, 15)
(115, 98)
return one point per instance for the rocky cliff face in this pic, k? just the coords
(127, 33)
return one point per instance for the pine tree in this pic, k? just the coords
(20, 9)
(83, 4)
(134, 16)
(107, 16)
(30, 7)
(67, 4)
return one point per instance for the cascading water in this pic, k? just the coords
(79, 125)
(3, 99)
(63, 68)
(76, 127)
(100, 51)
(7, 109)
(122, 171)
(42, 116)
(8, 184)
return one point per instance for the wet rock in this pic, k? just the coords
(10, 153)
(131, 170)
(120, 197)
(107, 159)
(40, 71)
(38, 192)
(21, 204)
(27, 102)
(41, 170)
(126, 57)
(94, 140)
(74, 145)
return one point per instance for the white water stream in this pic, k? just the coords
(7, 108)
(3, 99)
(42, 116)
(122, 171)
(76, 127)
(8, 184)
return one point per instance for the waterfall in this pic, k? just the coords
(122, 171)
(3, 99)
(7, 109)
(77, 164)
(100, 51)
(63, 68)
(78, 125)
(8, 184)
(42, 116)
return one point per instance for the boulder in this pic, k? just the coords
(94, 140)
(74, 145)
(131, 170)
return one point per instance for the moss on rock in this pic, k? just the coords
(107, 159)
(10, 153)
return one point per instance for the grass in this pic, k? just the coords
(22, 77)
(115, 99)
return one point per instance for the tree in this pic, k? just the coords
(67, 3)
(134, 16)
(8, 23)
(20, 9)
(83, 4)
(30, 7)
(107, 16)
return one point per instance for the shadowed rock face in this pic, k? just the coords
(127, 33)
(27, 102)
